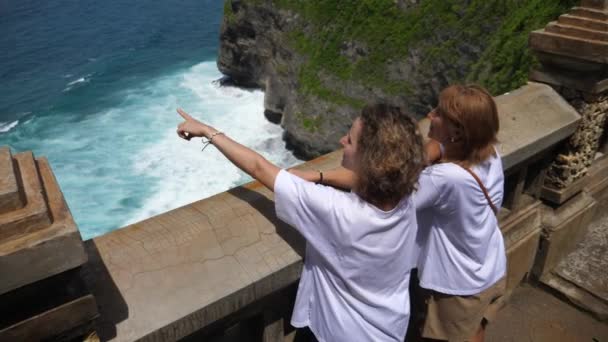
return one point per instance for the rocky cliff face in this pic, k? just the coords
(320, 61)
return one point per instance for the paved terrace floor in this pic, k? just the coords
(535, 315)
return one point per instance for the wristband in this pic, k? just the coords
(320, 181)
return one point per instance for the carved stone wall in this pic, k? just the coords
(580, 150)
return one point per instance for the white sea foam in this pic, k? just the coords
(70, 85)
(125, 163)
(185, 174)
(80, 80)
(7, 126)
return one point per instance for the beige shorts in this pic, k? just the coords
(457, 318)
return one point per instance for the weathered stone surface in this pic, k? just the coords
(55, 322)
(597, 184)
(43, 252)
(593, 50)
(593, 83)
(577, 296)
(516, 226)
(10, 199)
(532, 119)
(591, 24)
(578, 154)
(586, 266)
(578, 32)
(561, 195)
(521, 231)
(520, 258)
(57, 308)
(535, 315)
(563, 228)
(591, 13)
(595, 4)
(34, 215)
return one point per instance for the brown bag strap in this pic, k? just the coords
(483, 188)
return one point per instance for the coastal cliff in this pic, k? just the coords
(320, 61)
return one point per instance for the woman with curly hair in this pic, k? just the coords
(360, 245)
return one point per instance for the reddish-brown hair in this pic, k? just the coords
(390, 155)
(473, 111)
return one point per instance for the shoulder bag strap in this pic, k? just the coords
(483, 188)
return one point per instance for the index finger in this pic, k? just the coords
(183, 114)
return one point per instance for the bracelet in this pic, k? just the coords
(320, 181)
(210, 139)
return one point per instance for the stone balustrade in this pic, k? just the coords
(228, 258)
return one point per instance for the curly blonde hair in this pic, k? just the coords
(391, 156)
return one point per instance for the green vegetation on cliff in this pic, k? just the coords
(444, 33)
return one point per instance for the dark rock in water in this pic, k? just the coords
(225, 81)
(273, 117)
(228, 81)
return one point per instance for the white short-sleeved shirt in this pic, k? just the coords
(462, 248)
(355, 281)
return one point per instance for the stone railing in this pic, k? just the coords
(227, 259)
(225, 268)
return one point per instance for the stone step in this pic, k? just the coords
(56, 308)
(547, 42)
(34, 215)
(10, 198)
(589, 13)
(573, 20)
(573, 31)
(45, 252)
(601, 5)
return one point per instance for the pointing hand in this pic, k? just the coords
(191, 127)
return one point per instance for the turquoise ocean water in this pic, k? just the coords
(94, 85)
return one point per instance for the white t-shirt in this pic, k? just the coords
(462, 249)
(355, 281)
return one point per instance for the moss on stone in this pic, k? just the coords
(228, 13)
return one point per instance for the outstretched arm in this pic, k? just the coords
(244, 158)
(338, 178)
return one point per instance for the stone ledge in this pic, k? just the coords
(563, 228)
(47, 310)
(168, 276)
(593, 84)
(44, 252)
(533, 118)
(520, 259)
(10, 198)
(574, 31)
(592, 50)
(559, 196)
(577, 296)
(573, 20)
(601, 5)
(525, 221)
(34, 215)
(586, 12)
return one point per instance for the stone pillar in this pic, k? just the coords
(42, 295)
(573, 52)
